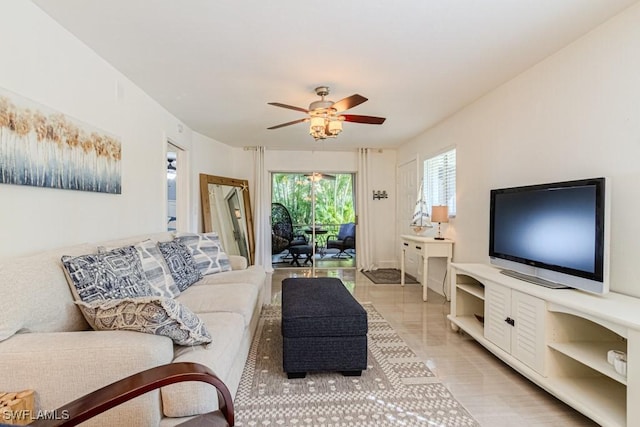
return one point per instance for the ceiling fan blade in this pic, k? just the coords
(290, 107)
(306, 119)
(349, 102)
(370, 120)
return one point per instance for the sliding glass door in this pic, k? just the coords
(313, 220)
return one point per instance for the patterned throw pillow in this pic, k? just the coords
(114, 274)
(151, 315)
(156, 270)
(207, 252)
(181, 263)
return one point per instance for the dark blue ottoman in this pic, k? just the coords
(323, 328)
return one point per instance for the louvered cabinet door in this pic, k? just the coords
(527, 336)
(497, 312)
(515, 322)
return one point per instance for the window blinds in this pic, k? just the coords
(440, 181)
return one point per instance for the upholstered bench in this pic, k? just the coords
(298, 250)
(323, 328)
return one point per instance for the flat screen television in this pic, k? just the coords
(554, 234)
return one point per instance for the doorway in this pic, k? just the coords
(172, 175)
(177, 202)
(313, 213)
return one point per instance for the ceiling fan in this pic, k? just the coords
(317, 176)
(325, 116)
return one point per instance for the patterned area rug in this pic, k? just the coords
(388, 276)
(396, 389)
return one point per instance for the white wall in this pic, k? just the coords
(574, 115)
(210, 157)
(43, 62)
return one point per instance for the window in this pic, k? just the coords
(440, 181)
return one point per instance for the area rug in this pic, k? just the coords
(388, 276)
(396, 389)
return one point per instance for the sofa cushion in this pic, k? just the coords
(64, 366)
(156, 270)
(254, 274)
(36, 295)
(238, 262)
(151, 315)
(181, 263)
(238, 298)
(184, 399)
(207, 251)
(114, 274)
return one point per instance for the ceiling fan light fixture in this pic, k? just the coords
(318, 135)
(335, 127)
(325, 117)
(314, 177)
(317, 123)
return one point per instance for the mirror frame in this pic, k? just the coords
(205, 180)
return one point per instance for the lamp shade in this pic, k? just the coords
(317, 123)
(335, 127)
(440, 214)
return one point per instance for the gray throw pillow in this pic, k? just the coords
(114, 274)
(181, 263)
(156, 270)
(207, 252)
(151, 315)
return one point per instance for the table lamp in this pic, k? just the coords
(439, 214)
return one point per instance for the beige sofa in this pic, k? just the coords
(46, 344)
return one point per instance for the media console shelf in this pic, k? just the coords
(557, 338)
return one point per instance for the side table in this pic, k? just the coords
(318, 239)
(426, 247)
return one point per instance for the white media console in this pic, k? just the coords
(557, 338)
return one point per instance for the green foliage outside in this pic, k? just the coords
(334, 198)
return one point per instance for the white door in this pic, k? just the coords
(407, 191)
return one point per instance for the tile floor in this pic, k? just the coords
(492, 392)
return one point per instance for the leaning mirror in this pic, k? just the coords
(226, 210)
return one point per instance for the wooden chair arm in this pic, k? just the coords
(114, 394)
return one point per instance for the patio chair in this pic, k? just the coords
(346, 239)
(282, 236)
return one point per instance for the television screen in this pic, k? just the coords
(554, 231)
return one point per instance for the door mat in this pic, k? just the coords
(388, 276)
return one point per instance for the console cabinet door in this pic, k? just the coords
(527, 339)
(497, 312)
(515, 322)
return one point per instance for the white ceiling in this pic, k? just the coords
(216, 63)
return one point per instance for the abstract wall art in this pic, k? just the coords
(45, 148)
